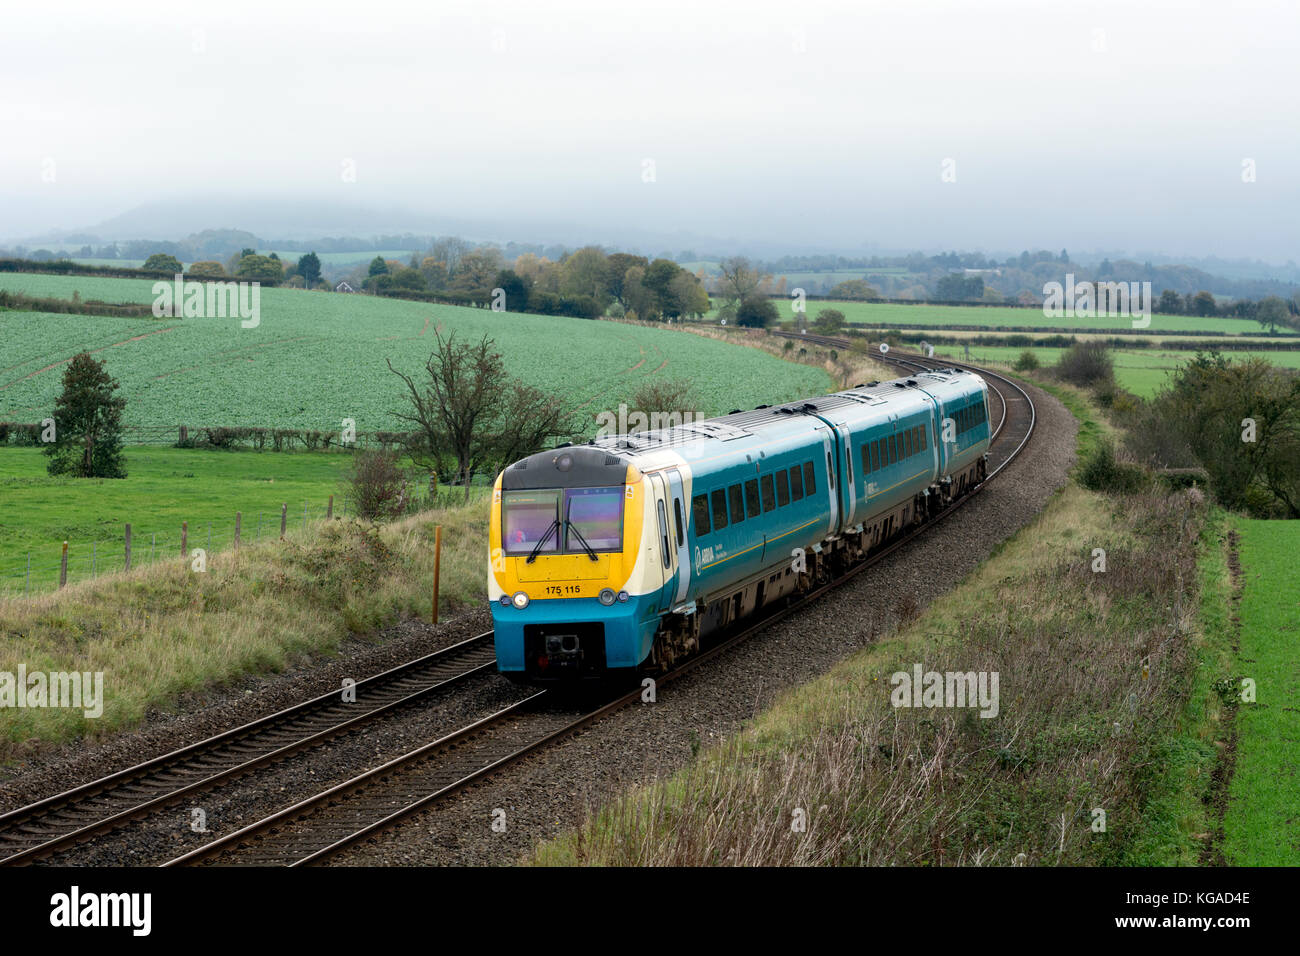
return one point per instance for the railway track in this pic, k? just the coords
(64, 820)
(315, 829)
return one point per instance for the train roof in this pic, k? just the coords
(604, 460)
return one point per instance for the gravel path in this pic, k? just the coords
(550, 792)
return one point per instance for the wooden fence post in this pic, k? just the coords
(329, 509)
(63, 566)
(437, 561)
(284, 518)
(239, 517)
(128, 547)
(185, 537)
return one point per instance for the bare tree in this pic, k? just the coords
(468, 410)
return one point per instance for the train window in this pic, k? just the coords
(677, 517)
(907, 443)
(782, 488)
(737, 504)
(875, 455)
(866, 460)
(663, 536)
(925, 436)
(752, 509)
(916, 439)
(809, 479)
(769, 493)
(719, 510)
(700, 515)
(892, 442)
(830, 472)
(796, 483)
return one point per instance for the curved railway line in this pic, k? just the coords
(319, 826)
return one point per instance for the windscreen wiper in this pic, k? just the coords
(537, 548)
(591, 553)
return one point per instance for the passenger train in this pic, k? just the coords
(619, 556)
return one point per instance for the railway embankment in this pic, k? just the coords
(1055, 707)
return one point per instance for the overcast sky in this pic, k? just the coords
(1085, 124)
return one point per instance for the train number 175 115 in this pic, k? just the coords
(559, 590)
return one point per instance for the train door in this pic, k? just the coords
(664, 552)
(831, 491)
(677, 529)
(847, 491)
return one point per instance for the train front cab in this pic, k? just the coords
(581, 572)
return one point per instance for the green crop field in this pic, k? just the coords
(1141, 371)
(163, 487)
(874, 315)
(1261, 825)
(318, 358)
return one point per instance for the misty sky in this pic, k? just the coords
(1088, 125)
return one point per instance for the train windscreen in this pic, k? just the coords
(528, 515)
(596, 514)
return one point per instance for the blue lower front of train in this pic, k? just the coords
(566, 638)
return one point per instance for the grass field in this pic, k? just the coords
(1262, 822)
(164, 487)
(1141, 371)
(874, 315)
(318, 358)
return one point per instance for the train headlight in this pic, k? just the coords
(505, 600)
(607, 597)
(622, 596)
(520, 600)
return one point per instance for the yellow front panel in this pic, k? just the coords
(567, 575)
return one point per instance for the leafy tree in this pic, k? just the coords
(207, 268)
(259, 267)
(309, 269)
(1203, 304)
(853, 289)
(1171, 303)
(378, 267)
(87, 423)
(477, 270)
(467, 412)
(829, 321)
(756, 312)
(515, 288)
(617, 265)
(161, 262)
(1272, 312)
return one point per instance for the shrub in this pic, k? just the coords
(1086, 363)
(376, 485)
(1027, 362)
(1102, 471)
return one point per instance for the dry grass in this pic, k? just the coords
(164, 630)
(1095, 670)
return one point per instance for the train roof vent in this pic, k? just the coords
(613, 460)
(718, 430)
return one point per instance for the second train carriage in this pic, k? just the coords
(623, 553)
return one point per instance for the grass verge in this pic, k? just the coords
(1261, 825)
(158, 632)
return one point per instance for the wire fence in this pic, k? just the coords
(44, 570)
(41, 571)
